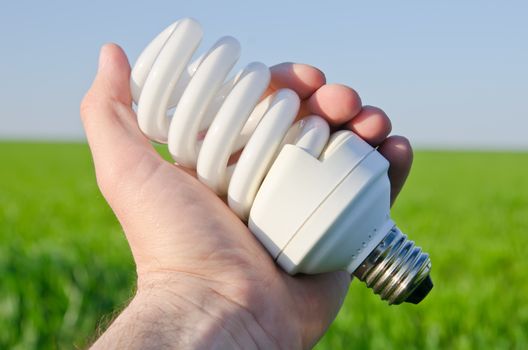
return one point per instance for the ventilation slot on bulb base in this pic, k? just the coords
(397, 270)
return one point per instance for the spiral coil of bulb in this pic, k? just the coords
(231, 113)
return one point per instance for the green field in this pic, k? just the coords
(65, 266)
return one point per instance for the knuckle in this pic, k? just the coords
(86, 105)
(375, 110)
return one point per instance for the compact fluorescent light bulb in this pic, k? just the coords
(318, 203)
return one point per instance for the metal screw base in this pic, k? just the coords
(397, 270)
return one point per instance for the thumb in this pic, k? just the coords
(111, 127)
(113, 75)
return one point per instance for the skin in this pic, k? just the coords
(203, 280)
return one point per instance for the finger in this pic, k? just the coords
(336, 103)
(371, 124)
(106, 108)
(113, 75)
(109, 121)
(301, 78)
(398, 151)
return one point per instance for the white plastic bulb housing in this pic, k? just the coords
(327, 214)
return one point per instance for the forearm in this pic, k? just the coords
(183, 315)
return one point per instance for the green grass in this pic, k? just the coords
(65, 266)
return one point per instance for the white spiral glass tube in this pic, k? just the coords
(179, 100)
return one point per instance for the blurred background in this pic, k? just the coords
(451, 75)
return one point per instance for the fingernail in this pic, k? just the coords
(102, 58)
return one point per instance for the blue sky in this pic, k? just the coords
(450, 74)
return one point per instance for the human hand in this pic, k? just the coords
(203, 279)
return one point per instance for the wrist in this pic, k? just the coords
(204, 318)
(177, 310)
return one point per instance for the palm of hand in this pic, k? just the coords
(177, 228)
